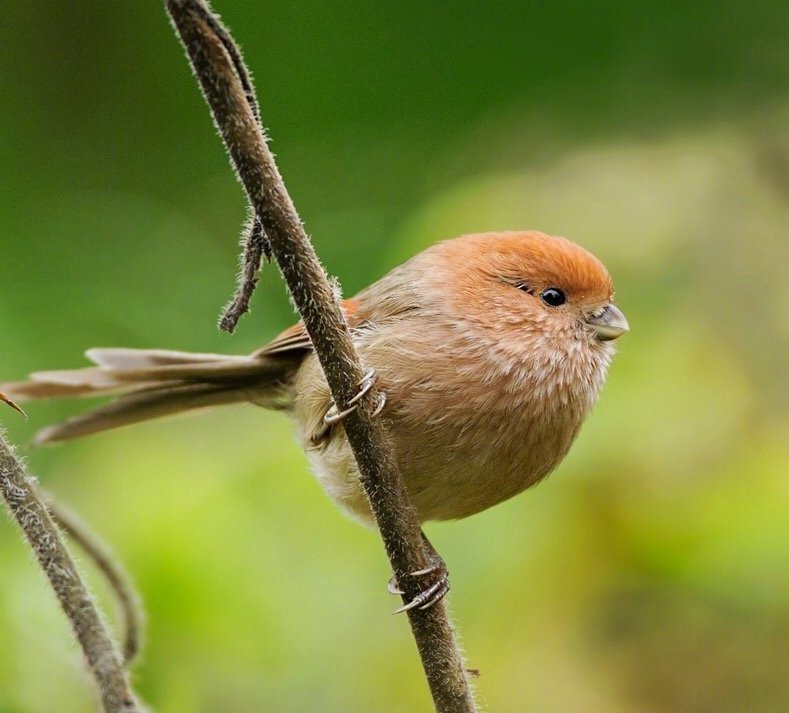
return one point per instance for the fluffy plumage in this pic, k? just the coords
(491, 348)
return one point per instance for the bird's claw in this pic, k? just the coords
(334, 415)
(393, 587)
(430, 595)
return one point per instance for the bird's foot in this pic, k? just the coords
(434, 589)
(335, 415)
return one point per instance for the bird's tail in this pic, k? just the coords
(151, 384)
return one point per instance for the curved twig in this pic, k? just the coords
(254, 247)
(255, 244)
(21, 495)
(225, 88)
(93, 546)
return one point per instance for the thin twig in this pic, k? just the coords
(254, 242)
(224, 87)
(254, 247)
(122, 587)
(20, 493)
(13, 404)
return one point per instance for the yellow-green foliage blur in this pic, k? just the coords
(649, 574)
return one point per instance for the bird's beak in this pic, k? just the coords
(608, 324)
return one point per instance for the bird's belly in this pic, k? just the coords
(335, 468)
(443, 481)
(454, 482)
(459, 451)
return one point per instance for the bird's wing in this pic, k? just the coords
(392, 296)
(295, 338)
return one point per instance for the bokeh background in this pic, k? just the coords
(650, 574)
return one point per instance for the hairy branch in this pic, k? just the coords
(254, 242)
(225, 83)
(119, 581)
(21, 495)
(255, 246)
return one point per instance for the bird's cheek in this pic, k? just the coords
(584, 334)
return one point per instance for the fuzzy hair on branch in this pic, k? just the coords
(20, 492)
(255, 247)
(225, 83)
(129, 601)
(254, 242)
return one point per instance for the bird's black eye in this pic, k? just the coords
(553, 297)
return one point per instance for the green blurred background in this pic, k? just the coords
(649, 574)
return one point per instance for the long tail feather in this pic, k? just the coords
(139, 407)
(122, 358)
(154, 383)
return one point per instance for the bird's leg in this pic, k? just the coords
(13, 404)
(435, 586)
(335, 415)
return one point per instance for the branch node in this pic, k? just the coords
(129, 601)
(21, 495)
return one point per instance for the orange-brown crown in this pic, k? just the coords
(533, 260)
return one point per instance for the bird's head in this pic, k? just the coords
(529, 290)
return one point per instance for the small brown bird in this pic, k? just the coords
(490, 348)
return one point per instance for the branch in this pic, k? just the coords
(224, 81)
(255, 244)
(27, 507)
(117, 578)
(255, 247)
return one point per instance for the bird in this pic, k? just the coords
(489, 351)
